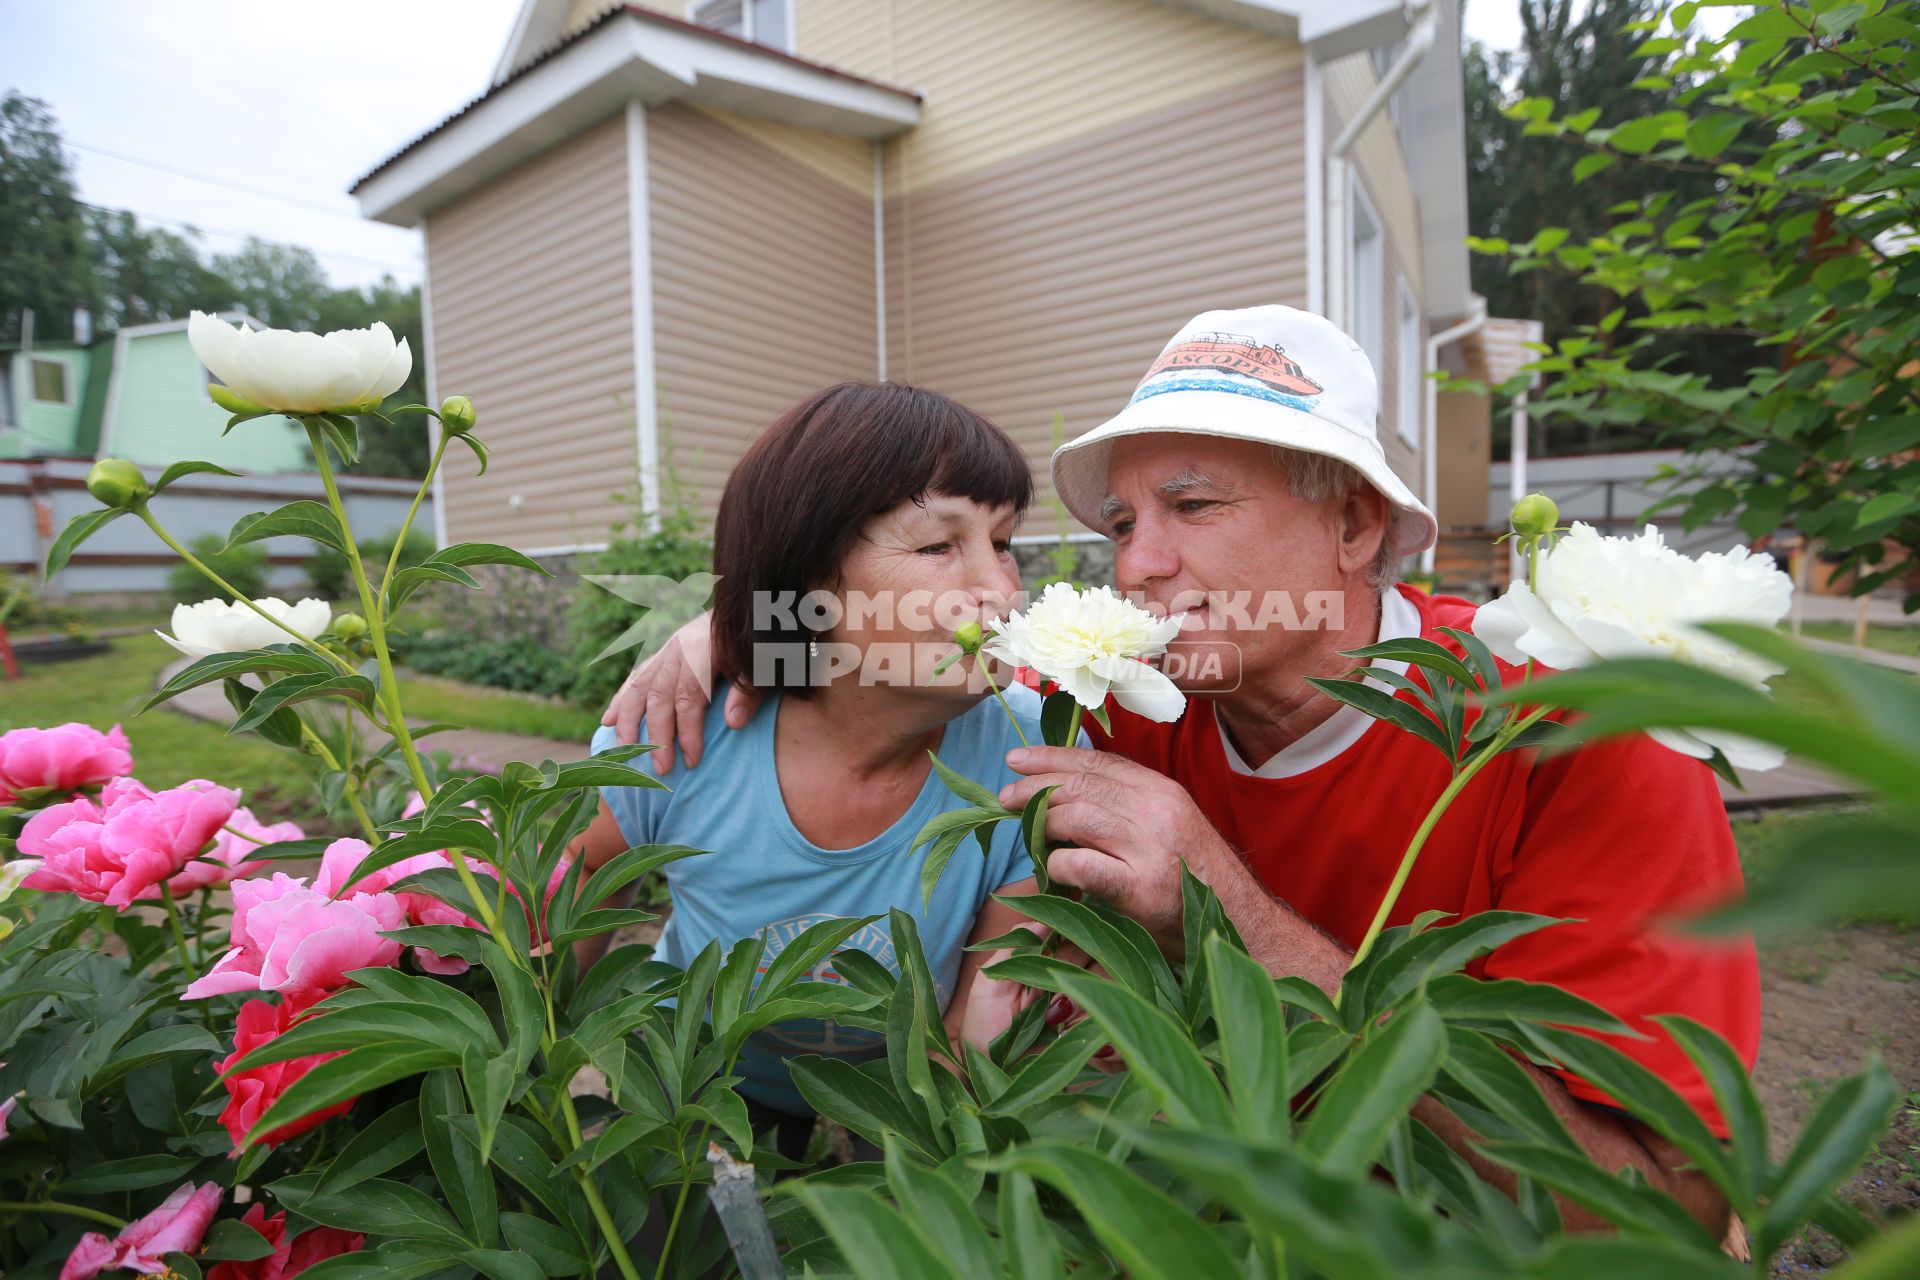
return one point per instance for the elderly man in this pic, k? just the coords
(1246, 472)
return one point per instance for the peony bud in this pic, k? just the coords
(349, 626)
(456, 415)
(117, 483)
(968, 636)
(1535, 516)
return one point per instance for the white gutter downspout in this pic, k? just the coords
(1419, 40)
(1430, 447)
(1316, 195)
(880, 259)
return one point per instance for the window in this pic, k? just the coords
(1411, 406)
(50, 382)
(761, 21)
(1366, 285)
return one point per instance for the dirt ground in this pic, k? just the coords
(1827, 1001)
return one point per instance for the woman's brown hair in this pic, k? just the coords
(794, 505)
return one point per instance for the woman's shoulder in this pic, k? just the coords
(720, 742)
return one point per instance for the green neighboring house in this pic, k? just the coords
(137, 393)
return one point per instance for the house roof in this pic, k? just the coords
(625, 54)
(1434, 118)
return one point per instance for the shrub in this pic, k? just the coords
(501, 663)
(327, 568)
(244, 567)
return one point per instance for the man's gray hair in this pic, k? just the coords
(1315, 477)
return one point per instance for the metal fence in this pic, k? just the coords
(39, 496)
(1612, 492)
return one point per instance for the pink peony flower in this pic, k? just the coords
(343, 856)
(289, 1257)
(120, 850)
(291, 938)
(250, 1094)
(175, 1227)
(61, 759)
(224, 862)
(6, 1112)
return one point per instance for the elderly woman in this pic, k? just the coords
(855, 535)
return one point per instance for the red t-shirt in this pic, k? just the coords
(1612, 835)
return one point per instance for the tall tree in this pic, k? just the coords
(44, 257)
(57, 253)
(1803, 120)
(1519, 178)
(143, 274)
(280, 285)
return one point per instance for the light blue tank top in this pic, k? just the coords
(763, 877)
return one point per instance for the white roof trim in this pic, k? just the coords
(1328, 28)
(625, 60)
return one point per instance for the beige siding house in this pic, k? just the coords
(665, 222)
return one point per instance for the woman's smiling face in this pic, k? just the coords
(916, 572)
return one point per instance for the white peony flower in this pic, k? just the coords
(1604, 597)
(226, 626)
(302, 372)
(12, 872)
(1090, 644)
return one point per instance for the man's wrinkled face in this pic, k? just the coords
(1210, 525)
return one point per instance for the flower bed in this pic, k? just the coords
(371, 1069)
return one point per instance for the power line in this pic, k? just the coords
(241, 187)
(201, 228)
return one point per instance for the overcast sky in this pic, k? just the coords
(292, 97)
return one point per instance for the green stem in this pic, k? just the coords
(180, 942)
(601, 1216)
(1073, 726)
(686, 1178)
(352, 789)
(673, 1225)
(73, 1210)
(406, 526)
(986, 669)
(173, 919)
(200, 928)
(237, 594)
(376, 620)
(1427, 824)
(389, 691)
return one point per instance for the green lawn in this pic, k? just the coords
(1901, 640)
(168, 748)
(431, 698)
(1765, 839)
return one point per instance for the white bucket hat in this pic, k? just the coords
(1271, 374)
